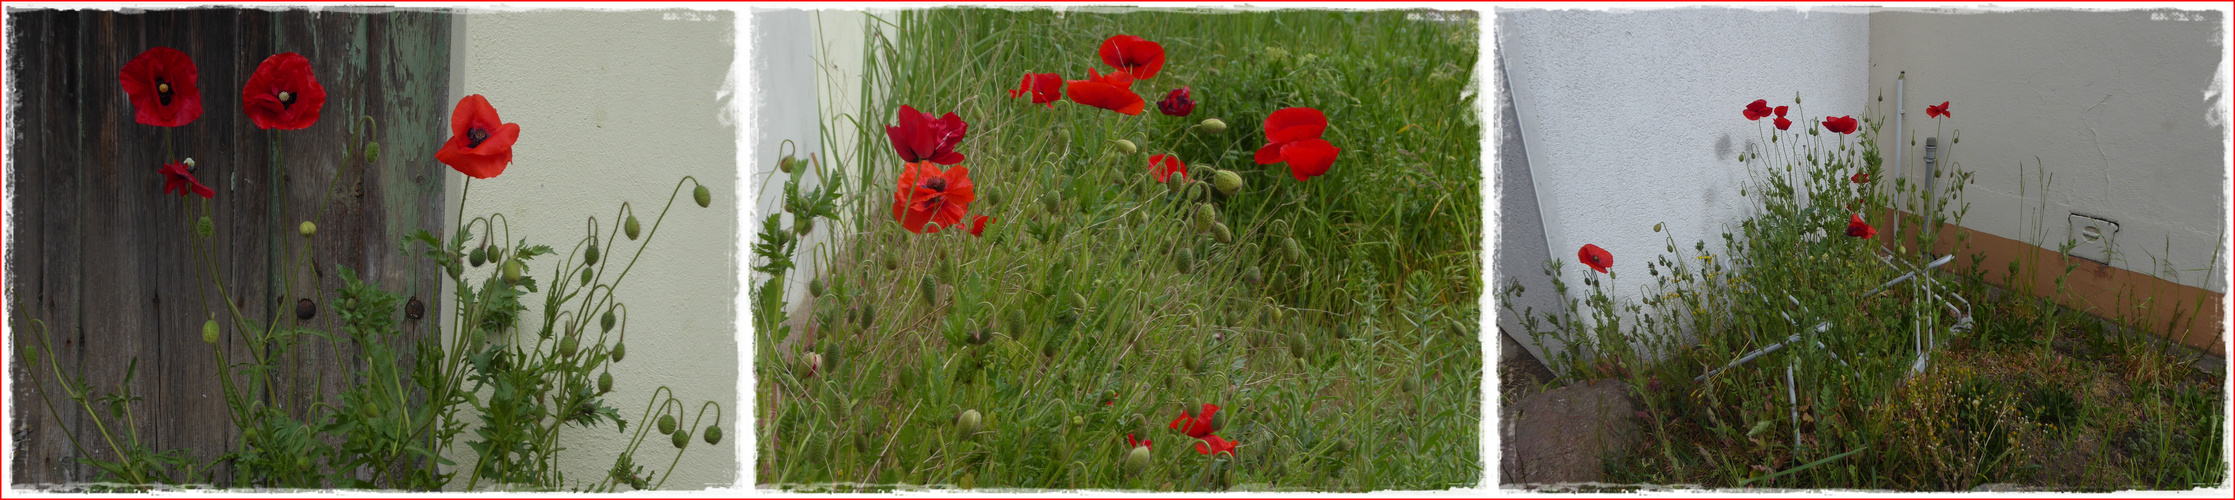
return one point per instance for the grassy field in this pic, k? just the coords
(1333, 322)
(2022, 394)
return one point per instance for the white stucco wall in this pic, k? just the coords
(806, 70)
(1632, 118)
(2121, 107)
(618, 105)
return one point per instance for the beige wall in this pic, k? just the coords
(2119, 106)
(616, 106)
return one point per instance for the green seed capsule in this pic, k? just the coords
(705, 198)
(630, 227)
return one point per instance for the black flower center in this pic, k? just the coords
(475, 136)
(163, 91)
(936, 184)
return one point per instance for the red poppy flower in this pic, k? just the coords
(1779, 111)
(1130, 442)
(1598, 258)
(1844, 124)
(283, 94)
(1758, 109)
(1196, 426)
(929, 196)
(177, 178)
(1213, 445)
(1937, 111)
(1782, 123)
(1858, 229)
(480, 144)
(160, 83)
(1292, 136)
(1859, 177)
(921, 137)
(1163, 166)
(1046, 88)
(1179, 102)
(1113, 92)
(978, 225)
(1142, 58)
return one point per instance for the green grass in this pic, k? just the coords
(2032, 394)
(1352, 364)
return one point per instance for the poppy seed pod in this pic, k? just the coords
(1226, 181)
(209, 332)
(1212, 125)
(620, 350)
(969, 423)
(308, 229)
(1137, 461)
(630, 227)
(713, 434)
(682, 438)
(605, 382)
(305, 309)
(477, 257)
(205, 227)
(667, 424)
(702, 196)
(1125, 146)
(512, 271)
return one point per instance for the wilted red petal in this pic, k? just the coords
(1859, 229)
(176, 178)
(978, 225)
(1309, 158)
(161, 85)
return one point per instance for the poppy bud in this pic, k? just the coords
(786, 163)
(905, 380)
(205, 227)
(703, 197)
(1218, 421)
(587, 276)
(1078, 300)
(1183, 259)
(1224, 234)
(1175, 183)
(308, 229)
(803, 225)
(1343, 445)
(815, 287)
(30, 352)
(630, 227)
(620, 350)
(682, 438)
(1227, 181)
(305, 309)
(477, 257)
(1295, 251)
(969, 423)
(667, 424)
(713, 434)
(605, 321)
(1137, 461)
(810, 364)
(590, 256)
(495, 253)
(1412, 383)
(209, 332)
(1253, 276)
(1299, 345)
(1193, 359)
(568, 345)
(1342, 330)
(512, 271)
(1205, 216)
(930, 289)
(1212, 125)
(1052, 202)
(868, 314)
(1125, 146)
(892, 262)
(605, 382)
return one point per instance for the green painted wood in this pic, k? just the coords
(103, 256)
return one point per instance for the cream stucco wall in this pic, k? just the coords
(617, 105)
(1632, 118)
(2121, 107)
